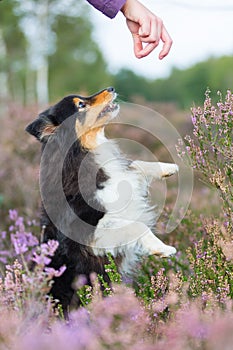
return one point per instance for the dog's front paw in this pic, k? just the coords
(166, 252)
(169, 169)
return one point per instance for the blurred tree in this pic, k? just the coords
(77, 65)
(184, 87)
(12, 54)
(129, 84)
(35, 34)
(36, 20)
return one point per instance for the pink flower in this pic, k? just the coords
(13, 214)
(20, 248)
(41, 259)
(51, 272)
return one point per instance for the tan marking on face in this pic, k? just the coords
(48, 130)
(88, 139)
(103, 98)
(76, 100)
(91, 123)
(86, 131)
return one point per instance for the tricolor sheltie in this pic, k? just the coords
(94, 200)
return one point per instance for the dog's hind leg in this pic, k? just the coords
(129, 240)
(124, 235)
(156, 170)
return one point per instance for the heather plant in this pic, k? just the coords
(203, 267)
(210, 150)
(17, 240)
(166, 313)
(181, 303)
(211, 146)
(116, 322)
(86, 292)
(193, 327)
(27, 277)
(19, 163)
(211, 264)
(21, 286)
(152, 280)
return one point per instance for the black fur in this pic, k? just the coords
(78, 219)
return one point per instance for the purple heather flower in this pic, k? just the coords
(13, 214)
(3, 234)
(80, 282)
(50, 247)
(41, 259)
(194, 119)
(11, 228)
(51, 272)
(4, 255)
(20, 248)
(19, 222)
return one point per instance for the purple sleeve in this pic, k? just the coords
(109, 8)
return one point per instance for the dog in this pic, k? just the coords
(94, 199)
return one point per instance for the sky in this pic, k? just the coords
(199, 29)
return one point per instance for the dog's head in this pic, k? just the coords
(91, 114)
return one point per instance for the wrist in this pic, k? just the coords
(132, 9)
(126, 6)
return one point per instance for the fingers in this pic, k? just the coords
(167, 43)
(148, 31)
(157, 32)
(138, 48)
(145, 28)
(154, 27)
(147, 49)
(141, 51)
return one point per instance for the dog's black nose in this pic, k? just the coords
(110, 89)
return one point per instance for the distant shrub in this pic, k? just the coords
(19, 162)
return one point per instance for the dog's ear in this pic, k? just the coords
(43, 126)
(36, 127)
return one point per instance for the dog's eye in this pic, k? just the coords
(81, 104)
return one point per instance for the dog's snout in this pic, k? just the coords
(110, 89)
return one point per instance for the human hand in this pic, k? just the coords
(147, 28)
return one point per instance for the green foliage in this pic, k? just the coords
(129, 84)
(77, 65)
(85, 295)
(12, 55)
(183, 87)
(112, 271)
(86, 292)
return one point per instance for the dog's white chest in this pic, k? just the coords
(125, 228)
(124, 194)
